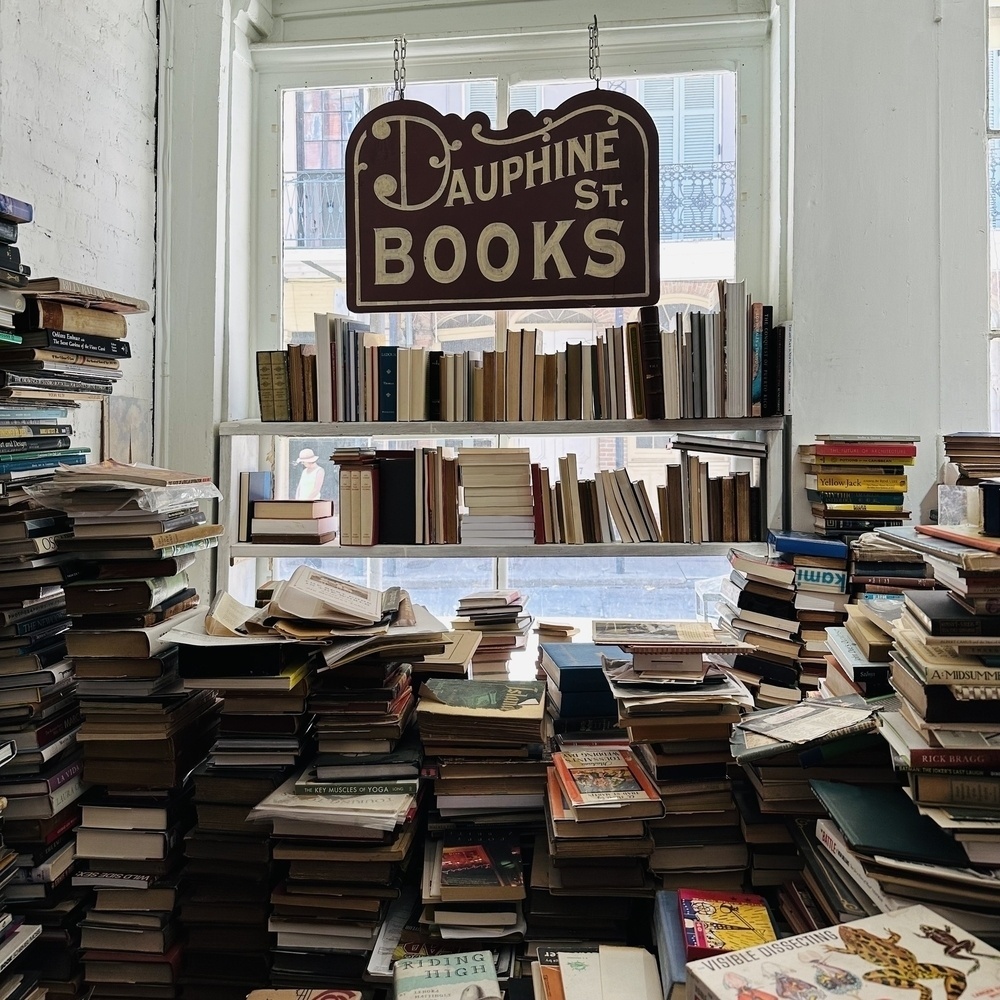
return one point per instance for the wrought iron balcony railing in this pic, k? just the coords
(697, 202)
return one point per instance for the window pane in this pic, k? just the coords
(316, 125)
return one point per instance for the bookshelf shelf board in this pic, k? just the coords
(460, 428)
(245, 550)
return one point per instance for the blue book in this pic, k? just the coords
(670, 945)
(26, 465)
(576, 666)
(582, 704)
(757, 360)
(253, 486)
(387, 360)
(805, 543)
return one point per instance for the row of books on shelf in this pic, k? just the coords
(432, 496)
(702, 365)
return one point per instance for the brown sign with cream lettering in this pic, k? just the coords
(558, 209)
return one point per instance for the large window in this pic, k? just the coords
(711, 122)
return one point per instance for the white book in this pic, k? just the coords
(324, 367)
(403, 383)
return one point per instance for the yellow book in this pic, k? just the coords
(857, 484)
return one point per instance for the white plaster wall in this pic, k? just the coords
(77, 103)
(889, 253)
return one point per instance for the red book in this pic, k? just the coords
(861, 450)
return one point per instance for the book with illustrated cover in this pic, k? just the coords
(486, 869)
(913, 952)
(595, 777)
(716, 922)
(447, 977)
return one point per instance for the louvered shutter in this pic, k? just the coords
(482, 96)
(699, 133)
(658, 97)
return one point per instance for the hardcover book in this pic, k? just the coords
(910, 952)
(716, 922)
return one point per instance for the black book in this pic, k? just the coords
(768, 670)
(8, 231)
(434, 385)
(397, 502)
(652, 362)
(776, 356)
(941, 615)
(263, 660)
(77, 343)
(761, 605)
(886, 568)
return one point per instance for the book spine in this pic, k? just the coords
(958, 791)
(10, 258)
(281, 389)
(387, 379)
(862, 484)
(74, 319)
(31, 431)
(87, 344)
(8, 231)
(857, 524)
(942, 757)
(757, 359)
(17, 446)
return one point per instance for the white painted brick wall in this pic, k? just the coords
(77, 100)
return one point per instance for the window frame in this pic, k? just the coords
(640, 50)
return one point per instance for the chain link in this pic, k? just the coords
(595, 53)
(398, 68)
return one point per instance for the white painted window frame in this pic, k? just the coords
(738, 44)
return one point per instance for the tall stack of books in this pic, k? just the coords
(498, 616)
(141, 732)
(228, 876)
(483, 742)
(858, 658)
(297, 522)
(784, 753)
(857, 482)
(39, 712)
(820, 566)
(346, 843)
(15, 933)
(497, 496)
(678, 707)
(761, 606)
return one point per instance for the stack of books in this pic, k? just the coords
(13, 272)
(297, 522)
(264, 731)
(678, 707)
(346, 843)
(820, 566)
(858, 658)
(758, 607)
(363, 707)
(488, 724)
(497, 496)
(483, 742)
(16, 934)
(359, 493)
(879, 566)
(499, 618)
(68, 350)
(40, 717)
(857, 482)
(784, 753)
(597, 802)
(974, 454)
(577, 696)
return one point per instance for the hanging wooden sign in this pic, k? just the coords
(559, 208)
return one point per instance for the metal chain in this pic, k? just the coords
(398, 68)
(595, 53)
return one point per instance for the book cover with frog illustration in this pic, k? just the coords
(911, 954)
